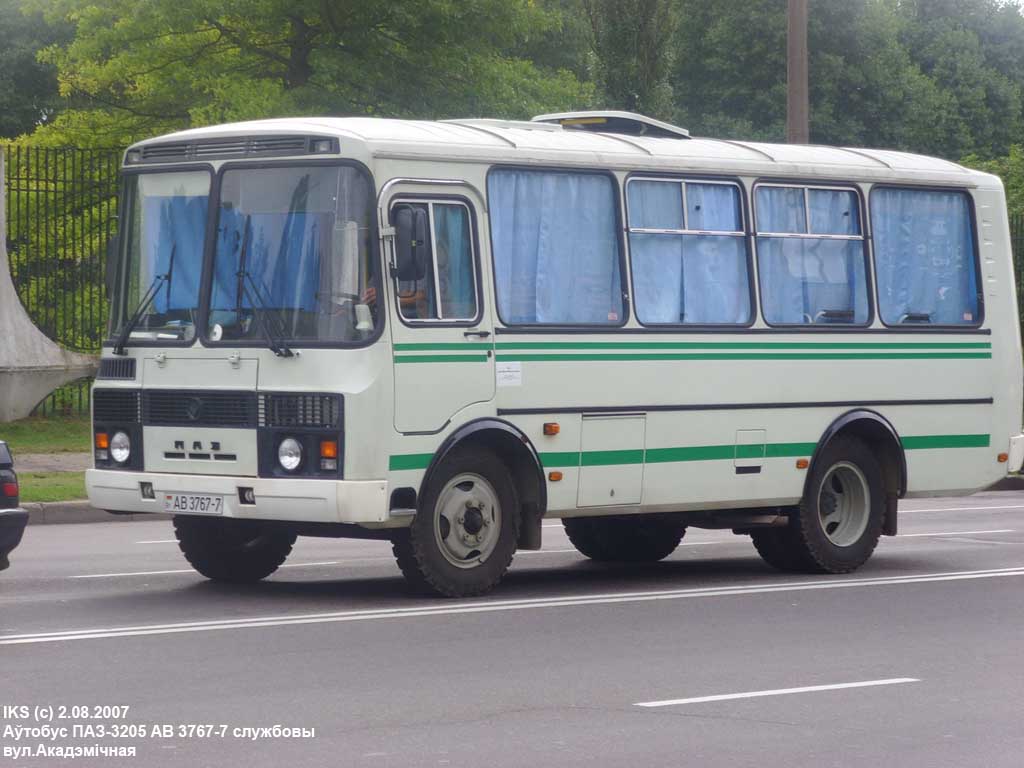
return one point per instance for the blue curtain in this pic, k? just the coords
(781, 210)
(454, 261)
(809, 279)
(834, 212)
(657, 277)
(175, 225)
(713, 208)
(283, 259)
(698, 279)
(556, 253)
(924, 256)
(803, 278)
(655, 204)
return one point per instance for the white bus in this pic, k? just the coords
(443, 333)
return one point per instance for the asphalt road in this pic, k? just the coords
(915, 660)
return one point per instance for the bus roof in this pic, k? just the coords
(502, 141)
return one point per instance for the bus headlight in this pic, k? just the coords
(289, 454)
(120, 447)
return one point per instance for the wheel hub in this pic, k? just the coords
(467, 520)
(844, 504)
(473, 521)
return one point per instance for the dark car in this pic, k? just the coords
(12, 517)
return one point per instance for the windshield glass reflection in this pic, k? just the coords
(292, 258)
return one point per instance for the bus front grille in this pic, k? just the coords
(172, 408)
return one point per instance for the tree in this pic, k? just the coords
(632, 40)
(148, 67)
(28, 89)
(1010, 169)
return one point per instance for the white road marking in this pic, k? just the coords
(189, 570)
(133, 573)
(543, 551)
(962, 509)
(777, 692)
(159, 541)
(312, 565)
(952, 533)
(501, 605)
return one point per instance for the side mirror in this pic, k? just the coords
(412, 243)
(110, 268)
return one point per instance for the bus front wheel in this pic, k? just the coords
(238, 551)
(838, 522)
(463, 537)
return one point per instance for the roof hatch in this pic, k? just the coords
(625, 123)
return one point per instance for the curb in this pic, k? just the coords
(51, 512)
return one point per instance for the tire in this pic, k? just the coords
(236, 551)
(462, 540)
(838, 523)
(624, 539)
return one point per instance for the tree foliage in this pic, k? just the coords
(28, 89)
(151, 66)
(632, 41)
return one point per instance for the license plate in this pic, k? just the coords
(193, 504)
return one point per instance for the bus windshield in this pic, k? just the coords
(165, 232)
(292, 257)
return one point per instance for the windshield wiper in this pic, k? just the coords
(260, 307)
(150, 296)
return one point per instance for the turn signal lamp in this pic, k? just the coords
(554, 477)
(802, 463)
(328, 449)
(551, 428)
(102, 440)
(1002, 458)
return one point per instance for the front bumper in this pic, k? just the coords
(308, 501)
(12, 526)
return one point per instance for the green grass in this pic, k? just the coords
(50, 434)
(51, 486)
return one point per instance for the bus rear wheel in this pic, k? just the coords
(462, 540)
(624, 539)
(236, 551)
(838, 523)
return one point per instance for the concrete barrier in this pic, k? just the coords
(31, 365)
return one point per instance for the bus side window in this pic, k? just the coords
(925, 260)
(811, 255)
(448, 290)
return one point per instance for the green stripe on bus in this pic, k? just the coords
(597, 357)
(780, 450)
(691, 453)
(410, 461)
(946, 441)
(441, 358)
(560, 458)
(768, 345)
(466, 345)
(610, 458)
(552, 459)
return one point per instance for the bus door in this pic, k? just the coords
(441, 330)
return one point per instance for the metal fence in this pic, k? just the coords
(61, 206)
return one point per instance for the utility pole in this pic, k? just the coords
(797, 101)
